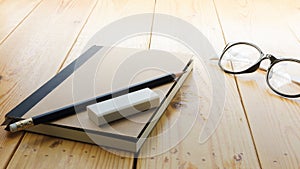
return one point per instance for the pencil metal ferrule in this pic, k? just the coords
(21, 125)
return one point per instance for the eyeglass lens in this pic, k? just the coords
(283, 76)
(239, 57)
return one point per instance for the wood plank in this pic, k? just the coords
(274, 121)
(13, 13)
(231, 145)
(33, 53)
(108, 12)
(38, 151)
(71, 153)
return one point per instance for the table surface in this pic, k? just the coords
(257, 128)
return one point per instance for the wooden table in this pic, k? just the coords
(258, 129)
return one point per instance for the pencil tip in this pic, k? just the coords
(7, 128)
(180, 73)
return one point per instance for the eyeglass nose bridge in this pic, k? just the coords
(270, 57)
(253, 68)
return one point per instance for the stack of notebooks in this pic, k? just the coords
(98, 71)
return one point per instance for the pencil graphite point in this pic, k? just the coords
(7, 128)
(179, 74)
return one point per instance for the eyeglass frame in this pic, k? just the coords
(255, 66)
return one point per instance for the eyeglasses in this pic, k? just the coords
(283, 75)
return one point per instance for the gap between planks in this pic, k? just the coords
(136, 155)
(1, 42)
(83, 26)
(26, 16)
(15, 149)
(61, 65)
(238, 88)
(152, 23)
(247, 119)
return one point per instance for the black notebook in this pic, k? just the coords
(98, 71)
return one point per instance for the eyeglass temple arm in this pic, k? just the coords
(296, 82)
(228, 44)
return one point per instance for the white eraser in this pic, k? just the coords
(123, 106)
(13, 127)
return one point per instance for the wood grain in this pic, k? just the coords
(13, 13)
(231, 145)
(38, 151)
(107, 12)
(36, 36)
(274, 121)
(72, 154)
(33, 53)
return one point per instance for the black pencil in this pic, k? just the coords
(81, 106)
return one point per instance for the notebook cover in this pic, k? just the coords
(98, 71)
